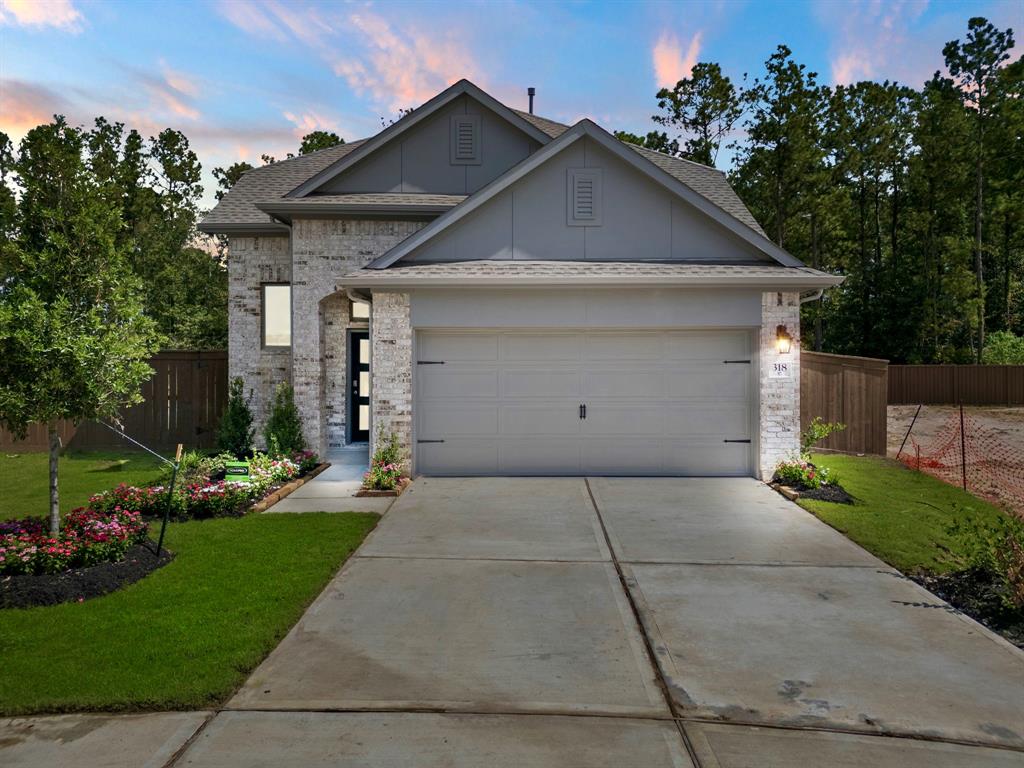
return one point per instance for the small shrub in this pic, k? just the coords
(218, 499)
(148, 502)
(194, 467)
(799, 473)
(307, 461)
(817, 431)
(284, 427)
(236, 431)
(386, 465)
(996, 547)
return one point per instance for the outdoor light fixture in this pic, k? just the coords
(783, 341)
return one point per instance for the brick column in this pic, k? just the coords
(391, 369)
(253, 261)
(780, 398)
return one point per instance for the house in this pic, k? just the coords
(510, 295)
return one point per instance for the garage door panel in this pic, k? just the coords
(624, 346)
(624, 382)
(624, 456)
(710, 382)
(530, 456)
(658, 402)
(540, 419)
(463, 456)
(556, 347)
(712, 347)
(443, 420)
(451, 382)
(713, 457)
(706, 420)
(455, 347)
(634, 419)
(540, 382)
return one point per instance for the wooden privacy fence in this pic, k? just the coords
(851, 390)
(956, 384)
(182, 403)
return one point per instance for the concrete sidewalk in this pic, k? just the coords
(334, 489)
(560, 622)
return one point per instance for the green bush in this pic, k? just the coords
(236, 430)
(386, 465)
(284, 427)
(996, 547)
(799, 473)
(1003, 348)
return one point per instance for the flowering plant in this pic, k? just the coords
(800, 473)
(219, 499)
(386, 465)
(89, 536)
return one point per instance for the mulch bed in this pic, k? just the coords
(28, 590)
(403, 483)
(974, 593)
(833, 493)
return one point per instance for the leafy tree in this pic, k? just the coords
(236, 431)
(228, 177)
(656, 140)
(284, 427)
(705, 107)
(73, 336)
(974, 64)
(311, 142)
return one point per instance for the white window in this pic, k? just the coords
(359, 311)
(277, 315)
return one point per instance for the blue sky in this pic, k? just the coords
(244, 77)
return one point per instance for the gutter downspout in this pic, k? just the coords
(353, 295)
(812, 296)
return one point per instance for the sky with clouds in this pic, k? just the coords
(245, 77)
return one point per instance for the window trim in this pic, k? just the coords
(263, 316)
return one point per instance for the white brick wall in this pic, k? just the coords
(253, 261)
(322, 251)
(391, 367)
(780, 398)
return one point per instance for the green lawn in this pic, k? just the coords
(24, 479)
(185, 636)
(900, 515)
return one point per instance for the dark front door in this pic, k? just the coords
(359, 387)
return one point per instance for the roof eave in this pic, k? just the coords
(287, 208)
(382, 280)
(251, 229)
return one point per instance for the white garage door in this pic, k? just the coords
(587, 402)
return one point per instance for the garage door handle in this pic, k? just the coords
(736, 441)
(583, 411)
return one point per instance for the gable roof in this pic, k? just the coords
(245, 208)
(587, 128)
(418, 115)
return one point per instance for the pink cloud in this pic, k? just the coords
(670, 63)
(25, 105)
(876, 40)
(404, 66)
(307, 122)
(41, 13)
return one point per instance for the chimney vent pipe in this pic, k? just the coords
(531, 92)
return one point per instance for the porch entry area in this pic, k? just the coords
(607, 402)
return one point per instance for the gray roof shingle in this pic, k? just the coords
(273, 182)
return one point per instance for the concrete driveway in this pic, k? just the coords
(609, 622)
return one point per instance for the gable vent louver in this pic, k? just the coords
(584, 197)
(465, 140)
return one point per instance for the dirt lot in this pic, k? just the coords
(1006, 423)
(995, 447)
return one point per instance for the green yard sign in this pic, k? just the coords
(236, 471)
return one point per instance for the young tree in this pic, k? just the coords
(73, 336)
(311, 142)
(284, 427)
(974, 66)
(704, 107)
(656, 140)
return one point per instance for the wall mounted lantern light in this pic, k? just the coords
(783, 341)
